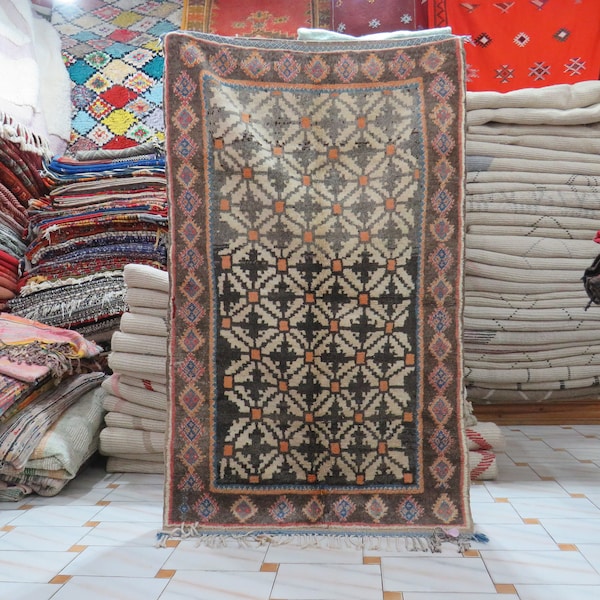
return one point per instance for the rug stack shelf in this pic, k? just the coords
(532, 213)
(136, 401)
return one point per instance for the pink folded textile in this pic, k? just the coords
(30, 350)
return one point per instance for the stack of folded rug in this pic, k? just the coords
(532, 212)
(50, 406)
(104, 210)
(19, 182)
(484, 441)
(136, 400)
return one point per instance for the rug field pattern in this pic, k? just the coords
(315, 361)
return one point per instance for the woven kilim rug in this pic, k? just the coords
(113, 53)
(315, 361)
(256, 18)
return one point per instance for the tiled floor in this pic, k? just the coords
(96, 541)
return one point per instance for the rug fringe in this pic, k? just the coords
(418, 542)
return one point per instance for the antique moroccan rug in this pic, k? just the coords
(316, 265)
(256, 18)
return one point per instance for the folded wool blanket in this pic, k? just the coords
(485, 436)
(135, 343)
(560, 357)
(498, 396)
(13, 492)
(64, 448)
(15, 394)
(133, 393)
(143, 324)
(568, 141)
(151, 380)
(144, 277)
(74, 304)
(551, 383)
(146, 310)
(143, 364)
(30, 350)
(146, 384)
(116, 464)
(123, 421)
(537, 247)
(116, 404)
(148, 298)
(483, 465)
(117, 440)
(20, 435)
(534, 230)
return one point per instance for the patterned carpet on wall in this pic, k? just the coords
(256, 18)
(315, 354)
(113, 53)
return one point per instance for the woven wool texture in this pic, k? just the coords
(315, 361)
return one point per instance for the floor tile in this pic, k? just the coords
(99, 561)
(29, 591)
(539, 567)
(289, 553)
(495, 512)
(131, 512)
(26, 566)
(113, 588)
(57, 539)
(135, 492)
(514, 536)
(446, 596)
(188, 585)
(413, 574)
(558, 592)
(327, 582)
(525, 489)
(121, 534)
(573, 531)
(232, 556)
(555, 508)
(592, 554)
(56, 516)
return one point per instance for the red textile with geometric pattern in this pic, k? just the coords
(362, 17)
(524, 43)
(255, 18)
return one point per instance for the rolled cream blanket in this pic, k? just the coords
(146, 277)
(146, 384)
(143, 324)
(483, 465)
(148, 298)
(116, 440)
(143, 364)
(116, 404)
(116, 464)
(136, 343)
(123, 421)
(485, 436)
(137, 395)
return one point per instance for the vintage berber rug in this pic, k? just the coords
(316, 264)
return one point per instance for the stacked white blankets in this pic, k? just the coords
(136, 403)
(532, 212)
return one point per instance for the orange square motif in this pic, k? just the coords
(360, 357)
(253, 297)
(279, 206)
(336, 265)
(255, 354)
(281, 265)
(256, 414)
(309, 356)
(226, 262)
(364, 236)
(247, 173)
(334, 448)
(334, 386)
(224, 205)
(284, 325)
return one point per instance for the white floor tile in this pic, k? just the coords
(58, 539)
(591, 553)
(131, 512)
(558, 592)
(26, 566)
(29, 591)
(573, 531)
(188, 585)
(555, 508)
(100, 561)
(514, 536)
(289, 553)
(135, 492)
(525, 489)
(191, 556)
(414, 574)
(56, 516)
(121, 534)
(327, 582)
(539, 567)
(495, 512)
(111, 588)
(446, 596)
